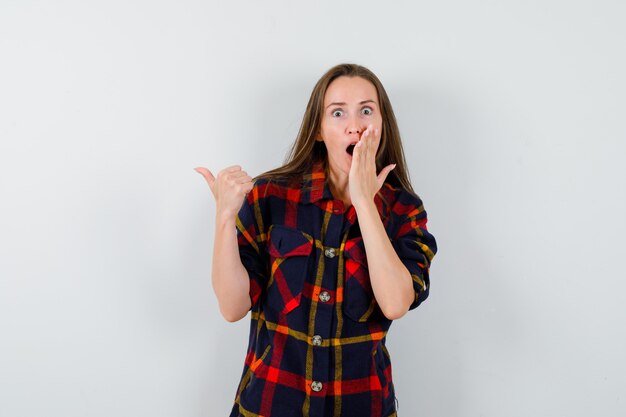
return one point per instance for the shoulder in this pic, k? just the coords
(401, 202)
(269, 189)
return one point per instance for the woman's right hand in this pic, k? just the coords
(229, 188)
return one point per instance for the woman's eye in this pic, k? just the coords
(366, 110)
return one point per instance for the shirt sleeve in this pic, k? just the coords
(252, 246)
(414, 244)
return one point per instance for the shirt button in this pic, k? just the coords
(330, 252)
(324, 296)
(317, 340)
(316, 386)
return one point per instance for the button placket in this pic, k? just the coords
(330, 253)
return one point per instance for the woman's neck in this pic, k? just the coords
(339, 187)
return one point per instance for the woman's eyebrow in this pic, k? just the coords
(343, 104)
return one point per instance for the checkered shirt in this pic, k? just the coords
(317, 335)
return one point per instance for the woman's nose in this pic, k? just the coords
(354, 126)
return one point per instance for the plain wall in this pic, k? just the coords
(512, 118)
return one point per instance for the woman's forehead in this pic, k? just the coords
(349, 90)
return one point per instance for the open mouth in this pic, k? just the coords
(350, 148)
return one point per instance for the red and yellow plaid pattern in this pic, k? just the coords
(317, 335)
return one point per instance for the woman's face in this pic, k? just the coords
(350, 105)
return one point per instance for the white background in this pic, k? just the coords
(512, 118)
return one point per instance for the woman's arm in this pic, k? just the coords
(391, 280)
(230, 279)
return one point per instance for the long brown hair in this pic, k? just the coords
(305, 151)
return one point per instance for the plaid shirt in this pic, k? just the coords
(317, 335)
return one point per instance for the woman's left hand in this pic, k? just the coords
(363, 181)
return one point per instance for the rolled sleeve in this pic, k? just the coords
(252, 247)
(414, 244)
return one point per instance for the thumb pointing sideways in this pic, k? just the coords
(208, 176)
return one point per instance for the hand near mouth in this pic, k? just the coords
(363, 181)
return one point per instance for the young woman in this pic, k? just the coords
(330, 248)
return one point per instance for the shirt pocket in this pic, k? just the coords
(359, 302)
(289, 251)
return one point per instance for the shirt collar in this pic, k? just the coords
(316, 188)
